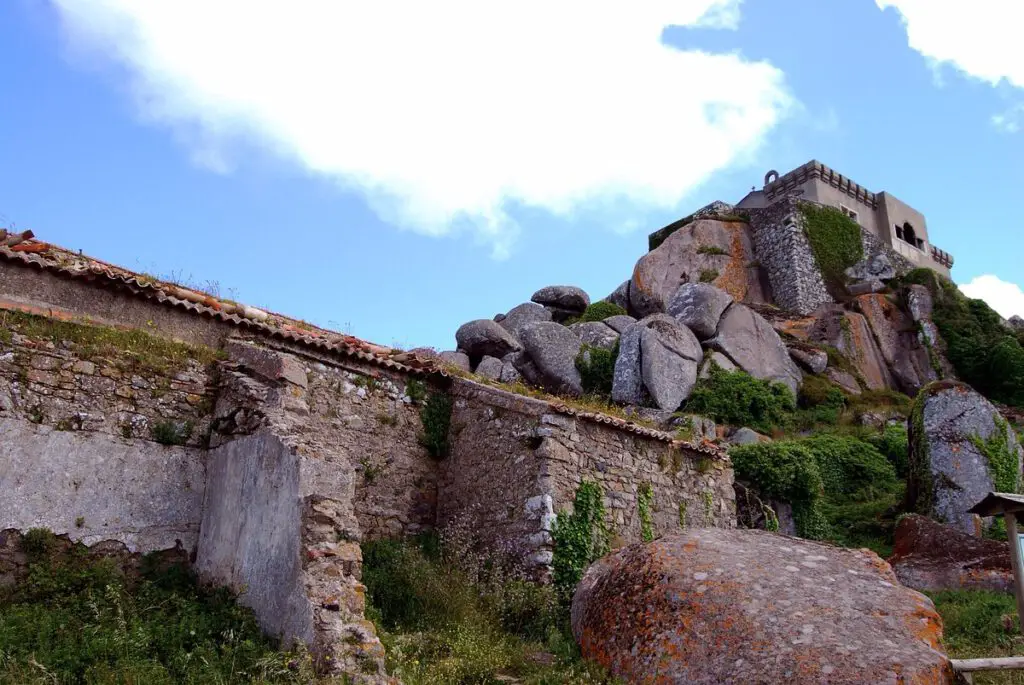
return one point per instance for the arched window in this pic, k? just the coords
(907, 234)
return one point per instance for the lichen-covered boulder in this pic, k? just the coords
(850, 334)
(658, 359)
(699, 307)
(549, 358)
(459, 360)
(709, 250)
(619, 323)
(714, 605)
(961, 449)
(620, 296)
(563, 301)
(907, 355)
(752, 344)
(489, 367)
(812, 359)
(485, 338)
(520, 315)
(874, 268)
(932, 557)
(596, 334)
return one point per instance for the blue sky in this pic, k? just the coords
(394, 174)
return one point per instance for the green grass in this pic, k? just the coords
(79, 620)
(443, 625)
(973, 628)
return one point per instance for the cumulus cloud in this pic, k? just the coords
(980, 39)
(446, 115)
(1004, 297)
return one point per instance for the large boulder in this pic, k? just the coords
(874, 268)
(1016, 323)
(699, 307)
(485, 338)
(620, 296)
(658, 358)
(713, 605)
(961, 449)
(619, 323)
(520, 315)
(907, 357)
(596, 334)
(563, 301)
(706, 247)
(811, 358)
(932, 557)
(753, 345)
(850, 334)
(550, 358)
(459, 360)
(490, 367)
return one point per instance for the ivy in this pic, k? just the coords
(1002, 459)
(436, 416)
(709, 507)
(835, 240)
(580, 538)
(786, 471)
(644, 498)
(919, 481)
(682, 514)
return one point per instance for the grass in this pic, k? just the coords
(974, 628)
(444, 624)
(76, 619)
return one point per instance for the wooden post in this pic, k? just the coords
(1018, 565)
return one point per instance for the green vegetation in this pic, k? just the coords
(580, 538)
(597, 369)
(644, 498)
(835, 241)
(448, 617)
(171, 432)
(416, 390)
(786, 471)
(739, 399)
(892, 443)
(708, 275)
(78, 619)
(130, 350)
(919, 476)
(599, 311)
(820, 400)
(1002, 461)
(436, 416)
(977, 624)
(984, 353)
(711, 250)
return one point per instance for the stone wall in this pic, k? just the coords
(784, 252)
(515, 462)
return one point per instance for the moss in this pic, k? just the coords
(1002, 460)
(708, 275)
(436, 417)
(920, 489)
(133, 350)
(171, 432)
(835, 240)
(599, 311)
(658, 237)
(711, 250)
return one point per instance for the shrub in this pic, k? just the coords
(850, 466)
(787, 471)
(821, 400)
(739, 399)
(436, 416)
(599, 311)
(171, 432)
(597, 369)
(835, 241)
(892, 444)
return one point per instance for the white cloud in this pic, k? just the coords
(446, 113)
(980, 38)
(1004, 297)
(1009, 121)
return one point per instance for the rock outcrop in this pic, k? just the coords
(520, 315)
(931, 557)
(485, 338)
(550, 357)
(658, 358)
(563, 301)
(719, 252)
(596, 334)
(699, 307)
(960, 450)
(850, 334)
(752, 344)
(745, 606)
(894, 331)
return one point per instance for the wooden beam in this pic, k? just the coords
(1018, 565)
(1003, 663)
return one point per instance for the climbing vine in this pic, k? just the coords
(1002, 460)
(436, 416)
(580, 538)
(835, 240)
(682, 514)
(919, 483)
(644, 497)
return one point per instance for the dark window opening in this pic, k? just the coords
(907, 234)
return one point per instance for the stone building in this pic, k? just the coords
(895, 223)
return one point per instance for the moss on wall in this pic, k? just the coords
(835, 240)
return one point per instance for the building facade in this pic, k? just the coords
(894, 222)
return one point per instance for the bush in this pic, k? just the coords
(599, 311)
(597, 369)
(892, 443)
(850, 466)
(835, 241)
(436, 416)
(739, 399)
(821, 400)
(786, 471)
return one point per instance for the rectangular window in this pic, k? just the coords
(848, 212)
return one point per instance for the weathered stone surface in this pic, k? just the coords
(490, 367)
(268, 363)
(705, 245)
(658, 358)
(1016, 323)
(484, 337)
(747, 436)
(596, 334)
(844, 380)
(520, 315)
(716, 359)
(459, 360)
(949, 473)
(931, 557)
(746, 606)
(812, 359)
(619, 323)
(550, 358)
(699, 307)
(566, 297)
(849, 333)
(919, 302)
(620, 296)
(877, 267)
(509, 373)
(865, 287)
(907, 358)
(753, 345)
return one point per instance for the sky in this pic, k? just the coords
(393, 170)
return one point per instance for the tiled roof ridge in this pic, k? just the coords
(25, 249)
